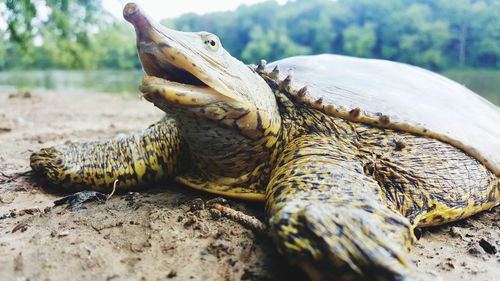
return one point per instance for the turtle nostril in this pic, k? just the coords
(133, 14)
(129, 10)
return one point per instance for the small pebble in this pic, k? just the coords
(172, 274)
(487, 246)
(454, 232)
(63, 234)
(475, 251)
(215, 214)
(196, 205)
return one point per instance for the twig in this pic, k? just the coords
(113, 191)
(215, 200)
(15, 176)
(244, 219)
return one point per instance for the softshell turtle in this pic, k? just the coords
(350, 155)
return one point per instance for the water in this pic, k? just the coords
(72, 81)
(483, 82)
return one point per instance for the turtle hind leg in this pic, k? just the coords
(428, 181)
(133, 160)
(329, 218)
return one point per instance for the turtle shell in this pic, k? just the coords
(400, 96)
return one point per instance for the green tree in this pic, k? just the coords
(359, 40)
(475, 27)
(423, 38)
(271, 45)
(19, 21)
(64, 39)
(116, 48)
(435, 34)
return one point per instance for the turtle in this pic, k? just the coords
(349, 154)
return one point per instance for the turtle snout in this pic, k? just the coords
(133, 14)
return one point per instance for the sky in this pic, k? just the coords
(161, 9)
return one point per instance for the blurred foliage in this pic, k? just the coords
(436, 34)
(64, 34)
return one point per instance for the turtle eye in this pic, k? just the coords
(212, 42)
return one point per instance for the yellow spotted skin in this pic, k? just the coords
(428, 181)
(344, 197)
(224, 161)
(326, 212)
(135, 160)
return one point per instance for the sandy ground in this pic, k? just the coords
(159, 233)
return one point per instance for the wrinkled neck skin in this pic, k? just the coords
(227, 157)
(223, 156)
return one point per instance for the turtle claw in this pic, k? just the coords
(75, 201)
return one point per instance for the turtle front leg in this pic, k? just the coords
(328, 217)
(132, 161)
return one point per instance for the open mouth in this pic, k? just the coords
(176, 73)
(168, 84)
(157, 68)
(167, 81)
(170, 72)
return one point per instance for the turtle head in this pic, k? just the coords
(226, 112)
(193, 72)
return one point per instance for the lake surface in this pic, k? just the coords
(72, 81)
(483, 82)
